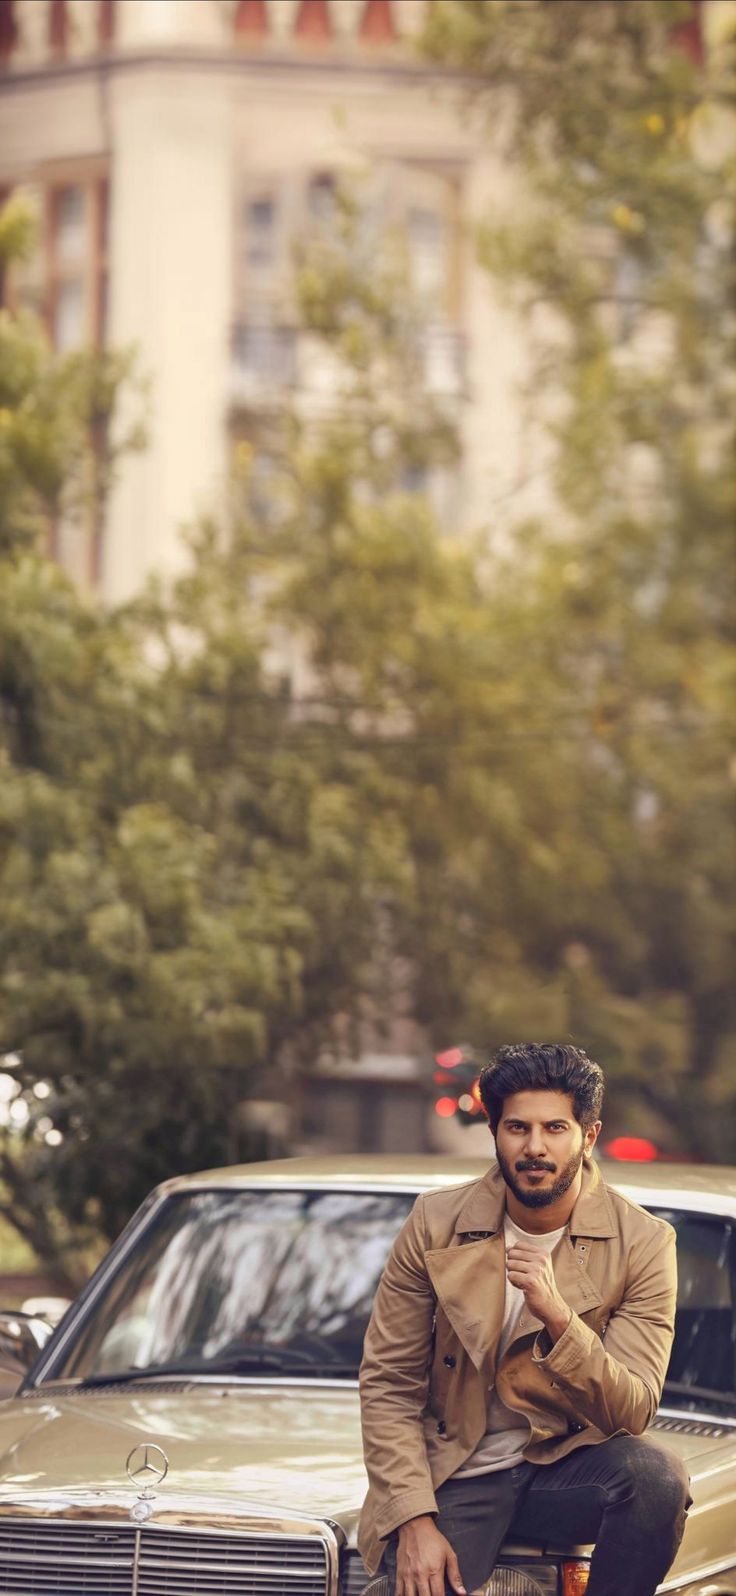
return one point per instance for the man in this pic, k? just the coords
(516, 1353)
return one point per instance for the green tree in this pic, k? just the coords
(206, 880)
(495, 803)
(341, 568)
(621, 258)
(405, 784)
(135, 988)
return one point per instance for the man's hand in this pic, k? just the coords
(531, 1271)
(424, 1559)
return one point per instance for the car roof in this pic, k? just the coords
(700, 1186)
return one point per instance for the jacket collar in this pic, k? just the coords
(484, 1209)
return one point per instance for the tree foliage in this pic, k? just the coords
(205, 878)
(620, 257)
(136, 982)
(351, 771)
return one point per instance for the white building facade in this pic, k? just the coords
(175, 149)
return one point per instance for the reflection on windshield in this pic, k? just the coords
(222, 1274)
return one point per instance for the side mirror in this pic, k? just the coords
(22, 1337)
(50, 1309)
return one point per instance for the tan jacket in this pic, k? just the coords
(430, 1350)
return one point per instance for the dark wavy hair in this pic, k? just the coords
(542, 1066)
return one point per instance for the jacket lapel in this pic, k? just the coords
(470, 1284)
(470, 1279)
(469, 1276)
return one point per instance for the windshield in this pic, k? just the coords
(243, 1279)
(282, 1282)
(703, 1360)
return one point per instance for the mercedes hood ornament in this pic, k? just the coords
(147, 1466)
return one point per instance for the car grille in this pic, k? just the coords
(58, 1559)
(51, 1558)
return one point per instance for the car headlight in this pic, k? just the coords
(540, 1578)
(523, 1579)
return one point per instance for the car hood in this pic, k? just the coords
(258, 1446)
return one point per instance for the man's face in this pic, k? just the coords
(540, 1146)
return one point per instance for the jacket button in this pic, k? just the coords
(448, 1361)
(574, 1427)
(441, 1427)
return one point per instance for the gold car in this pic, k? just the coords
(192, 1428)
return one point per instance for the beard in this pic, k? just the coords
(536, 1198)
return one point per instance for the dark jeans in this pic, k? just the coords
(629, 1495)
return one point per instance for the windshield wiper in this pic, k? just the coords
(278, 1360)
(301, 1365)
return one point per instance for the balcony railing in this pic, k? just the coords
(263, 363)
(268, 362)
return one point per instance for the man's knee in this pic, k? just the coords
(655, 1475)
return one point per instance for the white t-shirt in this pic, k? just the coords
(507, 1431)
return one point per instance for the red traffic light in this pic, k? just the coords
(445, 1107)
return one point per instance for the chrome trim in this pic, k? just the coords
(78, 1316)
(333, 1547)
(402, 1187)
(135, 1573)
(176, 1510)
(694, 1416)
(719, 1205)
(53, 1389)
(158, 1470)
(685, 1581)
(91, 1510)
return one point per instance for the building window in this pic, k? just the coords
(70, 225)
(321, 197)
(263, 361)
(77, 263)
(8, 30)
(68, 263)
(260, 236)
(69, 314)
(427, 236)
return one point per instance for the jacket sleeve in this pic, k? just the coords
(394, 1382)
(617, 1385)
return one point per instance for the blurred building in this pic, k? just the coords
(176, 149)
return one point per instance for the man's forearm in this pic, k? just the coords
(556, 1321)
